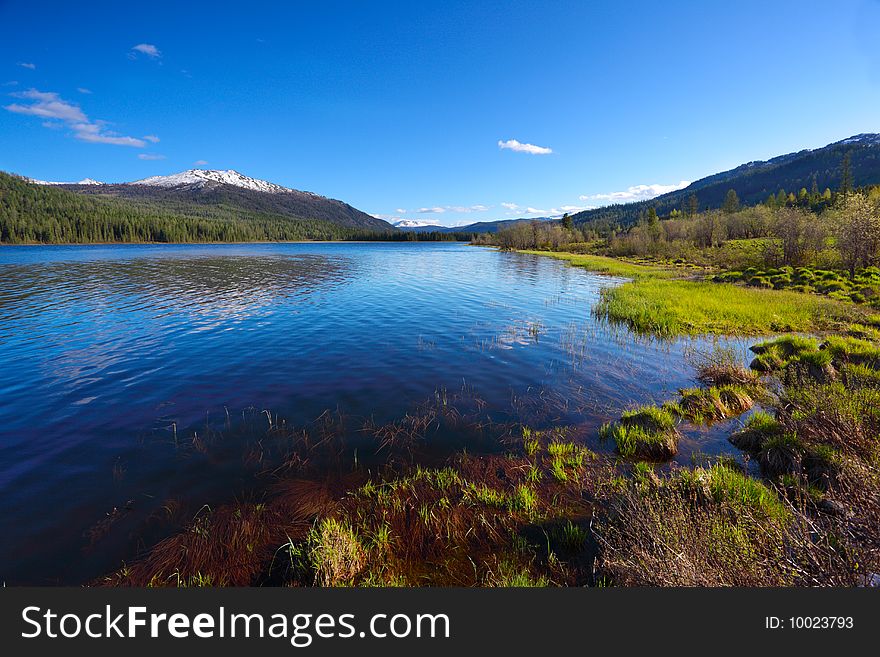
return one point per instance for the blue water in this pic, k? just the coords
(103, 349)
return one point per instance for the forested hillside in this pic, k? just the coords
(810, 171)
(40, 214)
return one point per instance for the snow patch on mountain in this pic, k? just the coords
(412, 223)
(84, 181)
(202, 177)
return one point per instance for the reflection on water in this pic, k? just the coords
(106, 353)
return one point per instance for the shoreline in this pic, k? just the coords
(34, 244)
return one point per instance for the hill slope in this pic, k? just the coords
(63, 213)
(755, 181)
(184, 191)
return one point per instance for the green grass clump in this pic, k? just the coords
(759, 427)
(648, 433)
(509, 574)
(633, 441)
(673, 307)
(701, 405)
(853, 350)
(742, 493)
(335, 553)
(773, 355)
(652, 418)
(859, 375)
(530, 441)
(864, 287)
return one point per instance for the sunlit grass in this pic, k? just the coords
(610, 266)
(669, 308)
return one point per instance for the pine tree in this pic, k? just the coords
(846, 181)
(693, 205)
(731, 202)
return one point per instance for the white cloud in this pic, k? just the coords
(27, 65)
(147, 49)
(573, 208)
(400, 211)
(510, 206)
(634, 193)
(519, 147)
(462, 209)
(153, 139)
(50, 106)
(83, 90)
(150, 156)
(46, 105)
(200, 163)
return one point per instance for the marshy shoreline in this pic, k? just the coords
(796, 502)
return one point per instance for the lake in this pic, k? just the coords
(109, 353)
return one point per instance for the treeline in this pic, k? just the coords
(844, 235)
(46, 215)
(543, 235)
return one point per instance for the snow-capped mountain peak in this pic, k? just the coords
(201, 177)
(411, 223)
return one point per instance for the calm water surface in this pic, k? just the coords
(103, 349)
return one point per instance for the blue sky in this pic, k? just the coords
(435, 111)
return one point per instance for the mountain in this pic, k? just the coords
(88, 213)
(201, 178)
(233, 191)
(755, 181)
(479, 227)
(418, 226)
(84, 181)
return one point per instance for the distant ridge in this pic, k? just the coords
(755, 181)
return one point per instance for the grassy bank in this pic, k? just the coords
(605, 265)
(658, 301)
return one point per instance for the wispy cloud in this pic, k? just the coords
(147, 49)
(514, 209)
(153, 139)
(49, 106)
(29, 65)
(150, 156)
(83, 90)
(519, 147)
(400, 211)
(200, 163)
(634, 193)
